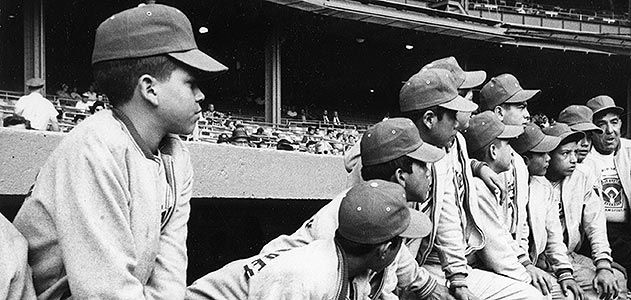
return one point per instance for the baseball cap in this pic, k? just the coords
(501, 89)
(149, 30)
(35, 82)
(463, 79)
(486, 127)
(579, 118)
(564, 132)
(376, 211)
(431, 87)
(602, 103)
(393, 138)
(534, 140)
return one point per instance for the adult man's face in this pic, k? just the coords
(608, 141)
(418, 183)
(515, 114)
(563, 160)
(584, 146)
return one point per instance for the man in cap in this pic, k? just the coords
(107, 215)
(430, 99)
(504, 96)
(35, 108)
(610, 159)
(547, 250)
(373, 220)
(579, 118)
(392, 151)
(465, 82)
(582, 217)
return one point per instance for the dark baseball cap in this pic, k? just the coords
(502, 89)
(604, 103)
(486, 127)
(463, 79)
(579, 118)
(35, 82)
(564, 132)
(534, 140)
(148, 30)
(393, 138)
(431, 87)
(376, 211)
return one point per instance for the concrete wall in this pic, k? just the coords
(221, 171)
(243, 197)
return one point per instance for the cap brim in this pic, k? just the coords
(572, 136)
(460, 104)
(427, 153)
(420, 225)
(199, 60)
(586, 127)
(547, 144)
(473, 79)
(523, 96)
(615, 109)
(511, 132)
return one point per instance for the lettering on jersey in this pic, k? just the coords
(256, 265)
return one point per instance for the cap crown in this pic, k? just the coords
(389, 140)
(450, 64)
(373, 212)
(427, 88)
(483, 129)
(576, 114)
(526, 141)
(498, 90)
(602, 102)
(147, 30)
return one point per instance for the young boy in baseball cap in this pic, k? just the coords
(392, 151)
(579, 118)
(547, 250)
(107, 216)
(582, 217)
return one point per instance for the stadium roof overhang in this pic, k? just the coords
(414, 17)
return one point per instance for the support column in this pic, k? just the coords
(34, 40)
(272, 77)
(627, 120)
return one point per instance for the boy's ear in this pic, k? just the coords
(499, 112)
(526, 159)
(147, 88)
(492, 151)
(399, 177)
(428, 119)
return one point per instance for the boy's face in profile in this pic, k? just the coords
(418, 183)
(563, 159)
(178, 101)
(537, 163)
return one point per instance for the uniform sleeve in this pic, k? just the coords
(168, 280)
(498, 254)
(449, 238)
(412, 278)
(92, 217)
(556, 251)
(595, 222)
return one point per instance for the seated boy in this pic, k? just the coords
(582, 217)
(547, 250)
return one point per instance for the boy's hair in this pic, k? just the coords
(357, 249)
(483, 153)
(384, 171)
(415, 115)
(118, 78)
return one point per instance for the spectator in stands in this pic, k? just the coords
(323, 148)
(78, 119)
(540, 120)
(311, 146)
(97, 106)
(107, 216)
(15, 121)
(285, 144)
(63, 91)
(83, 104)
(74, 94)
(303, 115)
(336, 118)
(257, 138)
(40, 112)
(291, 112)
(240, 137)
(211, 113)
(223, 138)
(325, 117)
(90, 93)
